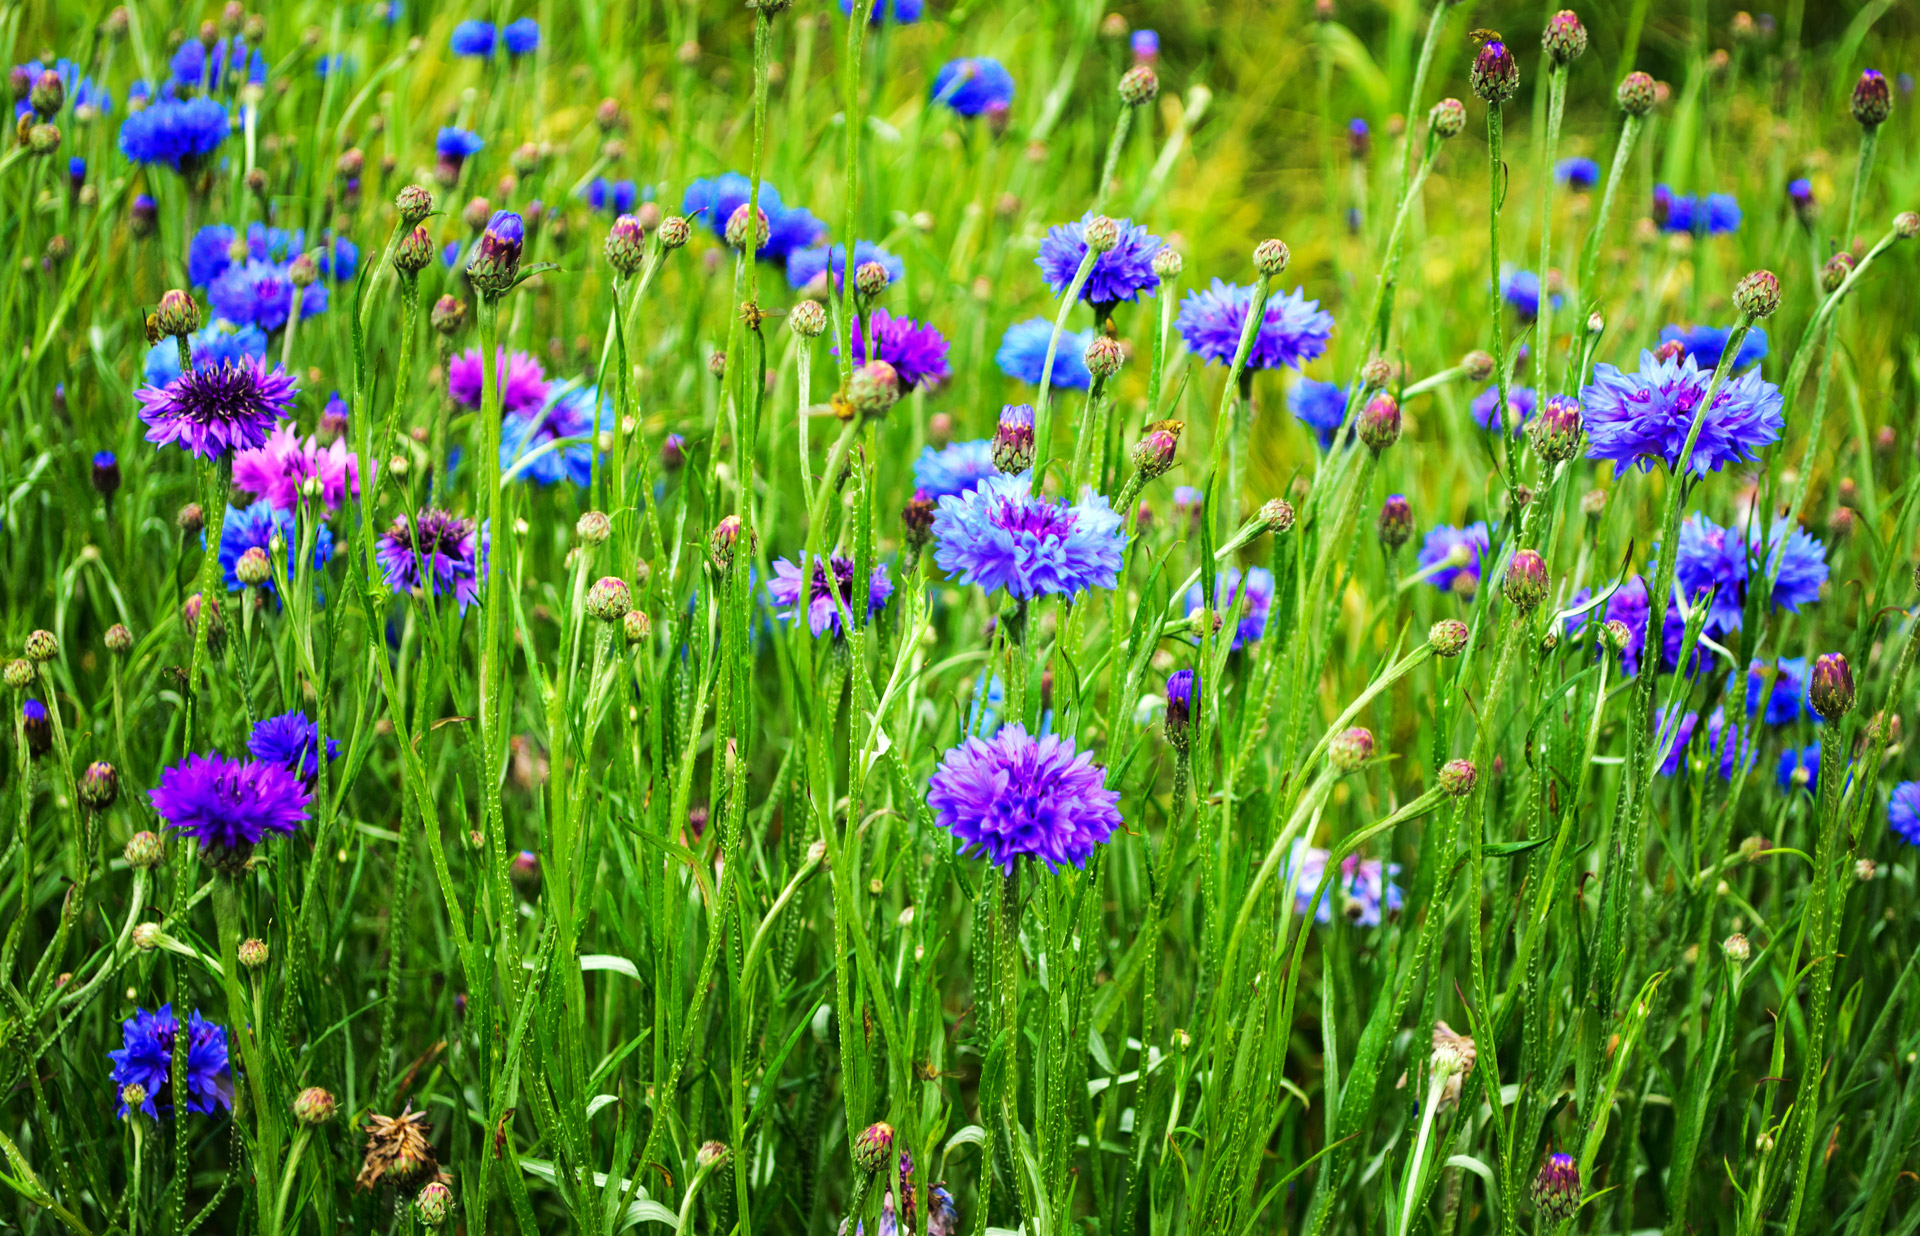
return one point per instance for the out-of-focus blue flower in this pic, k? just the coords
(1023, 354)
(1015, 796)
(180, 133)
(615, 197)
(714, 199)
(209, 254)
(1714, 215)
(522, 37)
(255, 528)
(1521, 402)
(1145, 45)
(568, 415)
(1903, 812)
(1726, 743)
(1121, 273)
(1626, 605)
(337, 63)
(1521, 289)
(457, 145)
(1293, 330)
(1461, 550)
(973, 84)
(219, 342)
(1362, 888)
(1671, 736)
(1577, 173)
(262, 293)
(1226, 588)
(472, 38)
(1001, 534)
(956, 470)
(1321, 406)
(1640, 419)
(1712, 557)
(806, 265)
(1800, 768)
(1706, 344)
(340, 261)
(292, 741)
(904, 12)
(450, 256)
(1789, 677)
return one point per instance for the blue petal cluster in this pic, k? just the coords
(1521, 289)
(1293, 330)
(219, 342)
(1521, 402)
(958, 469)
(1712, 557)
(714, 199)
(1640, 419)
(556, 441)
(972, 85)
(180, 133)
(1321, 406)
(1014, 796)
(145, 1059)
(1577, 173)
(1000, 534)
(1903, 812)
(1714, 215)
(1023, 354)
(255, 528)
(1226, 588)
(806, 265)
(1121, 273)
(904, 12)
(293, 742)
(1461, 549)
(1706, 344)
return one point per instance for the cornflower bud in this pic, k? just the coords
(42, 646)
(253, 569)
(870, 279)
(49, 92)
(736, 229)
(1350, 748)
(1636, 94)
(1104, 356)
(916, 519)
(626, 244)
(1448, 117)
(1872, 102)
(1495, 76)
(1271, 256)
(1179, 719)
(415, 203)
(609, 600)
(302, 272)
(496, 260)
(178, 315)
(118, 639)
(1835, 272)
(1167, 262)
(1737, 949)
(873, 1146)
(637, 627)
(674, 232)
(18, 675)
(1139, 85)
(414, 253)
(594, 528)
(873, 388)
(1906, 225)
(1526, 580)
(1830, 690)
(1380, 422)
(449, 315)
(1277, 515)
(1556, 431)
(1396, 521)
(99, 786)
(1556, 1189)
(145, 850)
(1101, 234)
(1757, 294)
(807, 319)
(1457, 777)
(1564, 38)
(253, 953)
(721, 545)
(1448, 637)
(1477, 365)
(1155, 451)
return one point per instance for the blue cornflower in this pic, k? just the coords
(293, 742)
(806, 265)
(1719, 558)
(209, 254)
(823, 611)
(1226, 588)
(219, 342)
(1364, 888)
(1001, 534)
(542, 439)
(1461, 550)
(1714, 215)
(1628, 606)
(145, 1059)
(1293, 329)
(458, 145)
(327, 66)
(180, 133)
(450, 256)
(1023, 354)
(904, 12)
(521, 37)
(275, 244)
(1705, 344)
(973, 84)
(1521, 289)
(229, 806)
(1726, 742)
(616, 197)
(339, 261)
(1638, 419)
(1577, 173)
(1521, 402)
(1145, 45)
(918, 353)
(1321, 406)
(1800, 768)
(714, 199)
(1903, 812)
(1015, 796)
(1789, 689)
(958, 469)
(472, 38)
(1671, 736)
(255, 528)
(262, 293)
(1121, 273)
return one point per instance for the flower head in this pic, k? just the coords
(1521, 289)
(1321, 406)
(217, 343)
(1639, 419)
(1461, 550)
(145, 1059)
(1577, 173)
(615, 197)
(258, 527)
(523, 383)
(1226, 588)
(1714, 215)
(903, 12)
(1000, 534)
(806, 265)
(275, 471)
(1719, 558)
(1013, 796)
(261, 293)
(1363, 888)
(1903, 812)
(972, 85)
(1800, 770)
(229, 806)
(1628, 606)
(452, 551)
(521, 37)
(1521, 402)
(917, 353)
(293, 742)
(823, 610)
(1293, 329)
(180, 133)
(714, 200)
(472, 38)
(1023, 355)
(212, 411)
(1123, 272)
(555, 442)
(958, 469)
(1788, 679)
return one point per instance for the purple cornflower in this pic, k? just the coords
(1321, 406)
(902, 12)
(38, 725)
(806, 265)
(1364, 887)
(1577, 173)
(549, 441)
(917, 353)
(210, 412)
(229, 806)
(1023, 354)
(1628, 606)
(145, 1059)
(958, 469)
(1521, 402)
(523, 383)
(1714, 215)
(473, 39)
(823, 611)
(455, 549)
(1726, 741)
(1293, 329)
(1789, 675)
(521, 37)
(1461, 549)
(1014, 796)
(714, 199)
(1226, 587)
(274, 471)
(1521, 289)
(180, 133)
(1639, 419)
(616, 197)
(1710, 556)
(262, 293)
(972, 85)
(1705, 344)
(1121, 273)
(1800, 770)
(1903, 811)
(1003, 535)
(293, 742)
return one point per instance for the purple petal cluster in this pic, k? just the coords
(1462, 550)
(1259, 603)
(1293, 330)
(274, 471)
(1628, 606)
(1521, 402)
(917, 353)
(213, 411)
(523, 383)
(230, 804)
(1640, 419)
(1719, 558)
(823, 611)
(1014, 796)
(1002, 535)
(1363, 888)
(972, 85)
(453, 551)
(145, 1059)
(1121, 273)
(1023, 354)
(293, 742)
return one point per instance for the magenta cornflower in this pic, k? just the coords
(1015, 796)
(523, 383)
(823, 611)
(213, 411)
(275, 470)
(230, 806)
